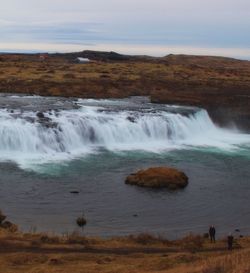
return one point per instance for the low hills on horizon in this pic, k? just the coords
(115, 56)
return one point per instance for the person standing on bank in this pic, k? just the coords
(212, 232)
(230, 239)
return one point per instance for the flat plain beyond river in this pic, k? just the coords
(219, 85)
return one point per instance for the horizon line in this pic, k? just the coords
(131, 49)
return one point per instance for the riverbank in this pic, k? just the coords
(142, 253)
(220, 85)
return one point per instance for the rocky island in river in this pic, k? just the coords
(159, 177)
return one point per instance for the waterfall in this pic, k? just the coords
(69, 133)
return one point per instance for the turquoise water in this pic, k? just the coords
(218, 193)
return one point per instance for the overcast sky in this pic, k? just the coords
(120, 24)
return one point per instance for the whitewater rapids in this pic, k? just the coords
(93, 126)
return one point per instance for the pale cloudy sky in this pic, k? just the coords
(156, 27)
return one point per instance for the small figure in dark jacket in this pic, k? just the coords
(212, 234)
(230, 240)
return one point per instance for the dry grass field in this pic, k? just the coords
(221, 85)
(40, 253)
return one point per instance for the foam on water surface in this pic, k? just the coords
(113, 125)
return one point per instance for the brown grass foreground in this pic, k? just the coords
(41, 253)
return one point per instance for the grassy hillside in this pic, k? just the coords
(221, 85)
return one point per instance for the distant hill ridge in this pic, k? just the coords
(114, 56)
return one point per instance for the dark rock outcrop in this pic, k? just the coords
(40, 115)
(7, 224)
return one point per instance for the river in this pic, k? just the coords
(50, 147)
